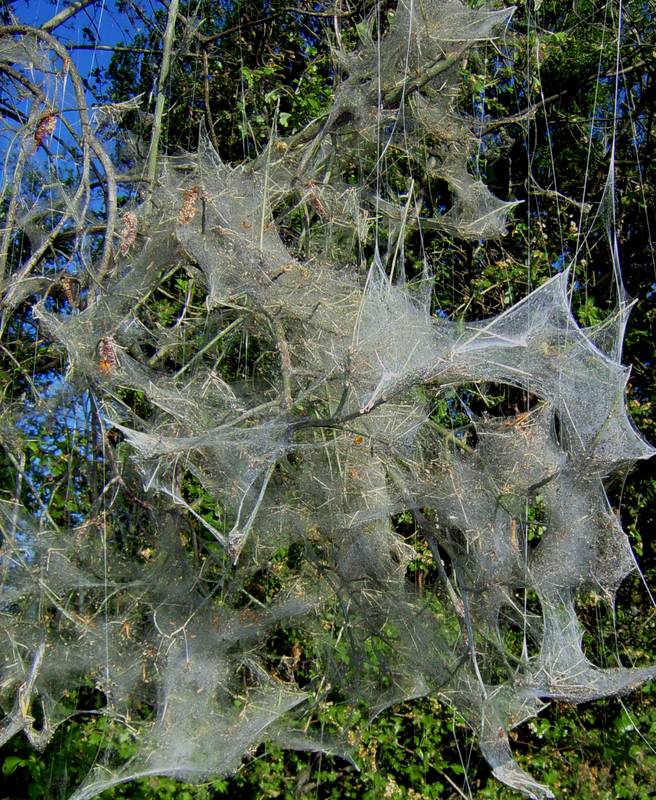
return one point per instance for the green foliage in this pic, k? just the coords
(600, 751)
(281, 74)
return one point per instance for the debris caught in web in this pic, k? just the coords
(316, 447)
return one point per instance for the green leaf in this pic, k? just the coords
(12, 763)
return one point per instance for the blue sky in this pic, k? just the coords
(102, 19)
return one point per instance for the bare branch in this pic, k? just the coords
(64, 14)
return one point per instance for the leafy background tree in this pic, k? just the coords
(559, 108)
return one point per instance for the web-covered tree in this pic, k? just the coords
(258, 344)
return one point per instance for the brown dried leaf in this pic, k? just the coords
(46, 127)
(315, 202)
(189, 205)
(107, 356)
(128, 232)
(71, 288)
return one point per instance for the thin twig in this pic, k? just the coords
(206, 96)
(271, 17)
(153, 152)
(89, 143)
